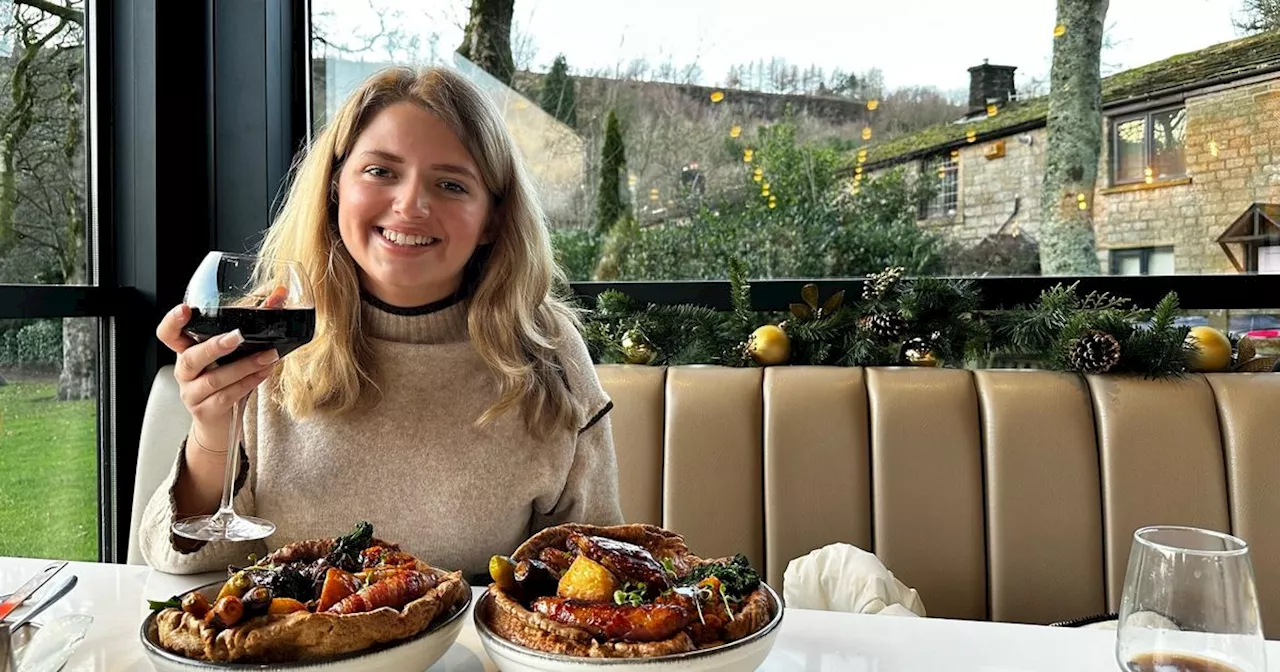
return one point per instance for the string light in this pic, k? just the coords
(717, 96)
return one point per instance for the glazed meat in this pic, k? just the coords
(708, 614)
(556, 559)
(395, 592)
(644, 623)
(628, 562)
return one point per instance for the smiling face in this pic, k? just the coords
(411, 206)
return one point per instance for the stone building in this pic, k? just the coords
(1189, 167)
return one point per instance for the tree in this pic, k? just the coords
(558, 97)
(42, 169)
(1074, 141)
(486, 40)
(610, 202)
(1259, 16)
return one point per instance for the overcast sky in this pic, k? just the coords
(914, 42)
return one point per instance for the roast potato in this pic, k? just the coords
(588, 581)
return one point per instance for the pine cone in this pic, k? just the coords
(878, 284)
(886, 326)
(1094, 352)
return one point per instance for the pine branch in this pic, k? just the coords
(740, 293)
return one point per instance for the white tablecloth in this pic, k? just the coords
(809, 641)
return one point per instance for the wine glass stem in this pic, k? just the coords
(225, 512)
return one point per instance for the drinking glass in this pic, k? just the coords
(270, 302)
(1189, 604)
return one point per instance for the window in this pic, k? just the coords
(49, 356)
(945, 197)
(49, 460)
(1149, 147)
(42, 211)
(1269, 259)
(1142, 261)
(856, 150)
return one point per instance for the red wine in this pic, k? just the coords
(284, 329)
(1176, 662)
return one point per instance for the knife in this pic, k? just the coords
(22, 593)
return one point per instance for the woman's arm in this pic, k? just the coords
(590, 493)
(170, 553)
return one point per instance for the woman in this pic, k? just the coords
(447, 397)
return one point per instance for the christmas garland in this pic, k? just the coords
(918, 322)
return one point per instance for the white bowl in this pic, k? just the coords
(409, 655)
(744, 655)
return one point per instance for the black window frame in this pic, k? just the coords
(1148, 145)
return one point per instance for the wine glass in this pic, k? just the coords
(1190, 604)
(270, 302)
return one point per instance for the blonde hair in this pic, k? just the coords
(514, 319)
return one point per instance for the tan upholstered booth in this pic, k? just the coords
(1007, 495)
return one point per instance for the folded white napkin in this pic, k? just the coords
(843, 577)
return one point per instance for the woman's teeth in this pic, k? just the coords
(405, 239)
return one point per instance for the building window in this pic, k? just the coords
(1269, 259)
(1142, 261)
(1149, 147)
(946, 197)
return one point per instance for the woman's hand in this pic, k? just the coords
(209, 394)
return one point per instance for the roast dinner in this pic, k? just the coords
(627, 591)
(310, 600)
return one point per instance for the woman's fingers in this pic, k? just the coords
(276, 298)
(169, 331)
(220, 402)
(213, 381)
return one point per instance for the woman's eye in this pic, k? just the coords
(377, 171)
(453, 187)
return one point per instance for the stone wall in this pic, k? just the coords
(992, 191)
(1232, 145)
(1232, 158)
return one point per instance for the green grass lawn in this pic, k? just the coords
(48, 473)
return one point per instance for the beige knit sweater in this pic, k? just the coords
(415, 465)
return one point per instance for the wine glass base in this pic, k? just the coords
(228, 528)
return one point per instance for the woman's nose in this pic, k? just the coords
(412, 202)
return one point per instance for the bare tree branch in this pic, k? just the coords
(63, 12)
(1259, 16)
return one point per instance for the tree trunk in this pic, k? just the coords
(79, 379)
(486, 40)
(1074, 141)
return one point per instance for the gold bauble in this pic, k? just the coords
(918, 353)
(769, 345)
(1213, 350)
(636, 349)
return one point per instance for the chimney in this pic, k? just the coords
(990, 84)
